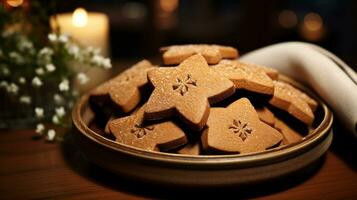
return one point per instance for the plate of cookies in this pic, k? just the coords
(202, 118)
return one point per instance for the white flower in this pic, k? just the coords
(55, 119)
(3, 84)
(52, 37)
(5, 71)
(50, 67)
(39, 112)
(39, 71)
(24, 44)
(46, 51)
(12, 88)
(51, 134)
(97, 59)
(25, 99)
(64, 85)
(16, 57)
(58, 98)
(60, 112)
(36, 81)
(40, 128)
(82, 78)
(73, 50)
(22, 80)
(106, 63)
(63, 38)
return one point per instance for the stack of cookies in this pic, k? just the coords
(201, 101)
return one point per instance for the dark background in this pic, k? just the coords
(139, 28)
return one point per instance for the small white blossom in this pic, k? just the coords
(12, 88)
(39, 112)
(106, 63)
(82, 78)
(46, 51)
(51, 134)
(24, 44)
(55, 119)
(64, 85)
(58, 99)
(60, 112)
(22, 80)
(40, 128)
(63, 38)
(25, 99)
(50, 67)
(97, 59)
(73, 50)
(16, 57)
(37, 82)
(39, 71)
(5, 71)
(4, 84)
(52, 37)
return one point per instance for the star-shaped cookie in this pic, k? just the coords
(245, 76)
(237, 129)
(186, 91)
(288, 98)
(265, 115)
(174, 55)
(289, 134)
(123, 90)
(132, 131)
(272, 73)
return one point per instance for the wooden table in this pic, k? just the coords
(37, 169)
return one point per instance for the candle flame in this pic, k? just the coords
(14, 3)
(80, 17)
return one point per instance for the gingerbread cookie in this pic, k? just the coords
(272, 73)
(132, 131)
(266, 115)
(187, 91)
(123, 90)
(174, 55)
(245, 76)
(287, 98)
(310, 101)
(289, 135)
(190, 149)
(237, 129)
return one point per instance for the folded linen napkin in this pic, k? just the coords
(318, 68)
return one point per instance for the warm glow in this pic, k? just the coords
(168, 5)
(287, 19)
(14, 3)
(313, 22)
(312, 28)
(80, 17)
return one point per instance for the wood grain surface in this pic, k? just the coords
(37, 169)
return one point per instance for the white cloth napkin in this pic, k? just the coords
(318, 68)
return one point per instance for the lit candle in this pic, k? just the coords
(89, 28)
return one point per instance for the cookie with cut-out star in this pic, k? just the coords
(288, 98)
(174, 55)
(123, 90)
(186, 91)
(132, 131)
(245, 76)
(237, 129)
